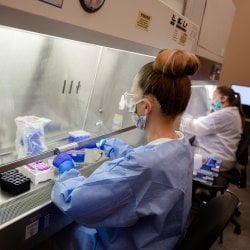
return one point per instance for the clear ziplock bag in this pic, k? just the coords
(30, 135)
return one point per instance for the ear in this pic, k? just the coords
(148, 105)
(224, 98)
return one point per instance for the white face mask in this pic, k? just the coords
(139, 120)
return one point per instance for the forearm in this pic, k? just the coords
(194, 127)
(115, 148)
(64, 185)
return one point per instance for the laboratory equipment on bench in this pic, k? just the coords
(38, 171)
(14, 182)
(78, 153)
(208, 171)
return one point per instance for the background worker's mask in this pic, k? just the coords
(216, 104)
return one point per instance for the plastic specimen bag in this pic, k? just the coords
(30, 135)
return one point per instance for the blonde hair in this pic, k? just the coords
(167, 80)
(176, 62)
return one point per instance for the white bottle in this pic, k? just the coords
(197, 163)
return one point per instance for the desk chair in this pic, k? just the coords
(209, 222)
(235, 176)
(239, 177)
(220, 184)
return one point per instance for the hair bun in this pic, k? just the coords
(176, 63)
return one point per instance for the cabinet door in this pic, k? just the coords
(215, 28)
(177, 5)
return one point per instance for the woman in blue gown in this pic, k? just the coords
(141, 197)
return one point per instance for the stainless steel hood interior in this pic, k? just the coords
(74, 84)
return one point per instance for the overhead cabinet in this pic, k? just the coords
(215, 29)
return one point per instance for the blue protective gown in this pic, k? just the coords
(138, 200)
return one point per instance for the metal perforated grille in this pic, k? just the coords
(24, 203)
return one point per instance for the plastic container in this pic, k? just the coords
(38, 171)
(77, 154)
(14, 182)
(197, 163)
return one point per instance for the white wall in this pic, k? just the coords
(116, 19)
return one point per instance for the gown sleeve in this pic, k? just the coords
(200, 126)
(119, 192)
(105, 198)
(115, 148)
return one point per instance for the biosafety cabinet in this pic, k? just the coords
(70, 66)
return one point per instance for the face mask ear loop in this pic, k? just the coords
(122, 103)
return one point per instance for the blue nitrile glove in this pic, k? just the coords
(100, 144)
(106, 147)
(114, 147)
(63, 162)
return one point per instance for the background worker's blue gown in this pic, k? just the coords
(138, 200)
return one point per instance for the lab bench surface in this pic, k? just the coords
(30, 218)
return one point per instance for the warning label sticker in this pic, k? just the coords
(143, 21)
